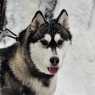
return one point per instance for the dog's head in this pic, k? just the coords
(46, 40)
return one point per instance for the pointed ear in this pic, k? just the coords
(37, 20)
(63, 18)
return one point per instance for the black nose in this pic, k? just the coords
(54, 60)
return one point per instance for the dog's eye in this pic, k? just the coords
(60, 42)
(44, 42)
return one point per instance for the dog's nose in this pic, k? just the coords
(54, 60)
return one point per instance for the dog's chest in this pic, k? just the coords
(40, 89)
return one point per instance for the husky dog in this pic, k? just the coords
(30, 66)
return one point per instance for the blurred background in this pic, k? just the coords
(77, 76)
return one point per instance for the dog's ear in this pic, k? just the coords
(37, 20)
(63, 18)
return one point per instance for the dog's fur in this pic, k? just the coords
(24, 68)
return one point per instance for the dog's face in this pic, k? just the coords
(47, 41)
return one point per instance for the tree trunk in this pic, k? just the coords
(2, 14)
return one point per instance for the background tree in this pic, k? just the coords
(2, 17)
(2, 14)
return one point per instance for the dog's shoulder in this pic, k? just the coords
(5, 55)
(8, 52)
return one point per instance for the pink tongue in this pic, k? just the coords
(53, 70)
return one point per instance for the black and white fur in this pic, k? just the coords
(25, 64)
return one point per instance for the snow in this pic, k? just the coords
(77, 76)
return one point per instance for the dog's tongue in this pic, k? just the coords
(53, 70)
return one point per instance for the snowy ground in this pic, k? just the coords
(77, 77)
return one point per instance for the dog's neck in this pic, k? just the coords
(29, 77)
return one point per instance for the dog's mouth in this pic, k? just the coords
(53, 70)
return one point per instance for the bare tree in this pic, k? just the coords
(2, 17)
(2, 14)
